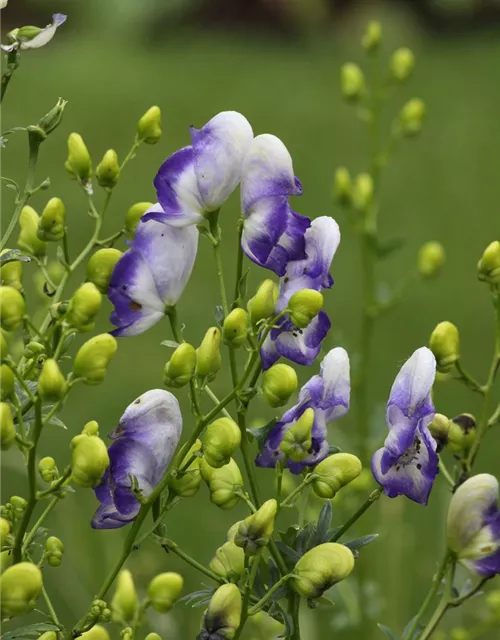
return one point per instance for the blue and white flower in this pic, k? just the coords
(43, 37)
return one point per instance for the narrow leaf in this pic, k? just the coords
(29, 631)
(388, 632)
(14, 255)
(357, 543)
(323, 525)
(262, 433)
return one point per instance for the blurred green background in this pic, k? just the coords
(114, 59)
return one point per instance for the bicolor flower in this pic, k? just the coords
(144, 443)
(407, 464)
(151, 276)
(328, 395)
(273, 234)
(32, 37)
(473, 525)
(198, 179)
(303, 345)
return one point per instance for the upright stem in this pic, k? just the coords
(444, 603)
(373, 497)
(12, 64)
(170, 545)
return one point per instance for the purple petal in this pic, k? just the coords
(263, 228)
(268, 354)
(303, 346)
(412, 386)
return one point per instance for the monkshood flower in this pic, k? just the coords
(407, 464)
(198, 179)
(34, 37)
(328, 395)
(303, 345)
(151, 276)
(473, 525)
(144, 443)
(273, 234)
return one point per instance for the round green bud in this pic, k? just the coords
(431, 259)
(445, 345)
(6, 382)
(223, 615)
(19, 505)
(6, 560)
(54, 549)
(493, 602)
(459, 633)
(297, 441)
(411, 117)
(402, 64)
(362, 192)
(28, 240)
(261, 306)
(335, 472)
(52, 385)
(91, 428)
(84, 307)
(51, 224)
(125, 602)
(208, 358)
(149, 126)
(5, 528)
(108, 170)
(7, 428)
(278, 384)
(33, 349)
(4, 345)
(304, 306)
(78, 163)
(153, 636)
(47, 469)
(488, 267)
(89, 460)
(255, 531)
(164, 590)
(134, 214)
(342, 186)
(229, 562)
(440, 428)
(93, 357)
(48, 635)
(12, 308)
(372, 36)
(265, 627)
(187, 483)
(461, 433)
(222, 483)
(100, 267)
(20, 586)
(180, 369)
(96, 633)
(11, 273)
(320, 568)
(220, 440)
(352, 82)
(235, 328)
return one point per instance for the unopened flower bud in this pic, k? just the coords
(153, 636)
(48, 635)
(445, 345)
(342, 186)
(6, 382)
(108, 170)
(304, 306)
(149, 126)
(411, 117)
(91, 428)
(297, 441)
(488, 267)
(278, 384)
(440, 428)
(47, 469)
(52, 385)
(229, 562)
(12, 308)
(54, 549)
(335, 472)
(7, 428)
(187, 483)
(256, 530)
(402, 64)
(93, 358)
(124, 603)
(96, 633)
(235, 328)
(431, 258)
(352, 82)
(19, 505)
(222, 483)
(4, 345)
(78, 163)
(164, 590)
(261, 306)
(322, 567)
(6, 560)
(208, 358)
(362, 191)
(52, 119)
(20, 586)
(28, 240)
(100, 267)
(461, 433)
(11, 273)
(134, 214)
(52, 221)
(220, 440)
(5, 528)
(180, 368)
(223, 616)
(84, 307)
(372, 37)
(89, 460)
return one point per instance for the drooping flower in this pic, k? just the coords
(407, 464)
(473, 525)
(151, 275)
(328, 395)
(273, 234)
(144, 443)
(303, 345)
(198, 179)
(33, 37)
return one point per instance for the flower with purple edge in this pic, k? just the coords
(151, 276)
(303, 345)
(144, 443)
(43, 37)
(328, 394)
(198, 179)
(407, 464)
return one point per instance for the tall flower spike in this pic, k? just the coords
(144, 443)
(151, 276)
(273, 234)
(32, 37)
(407, 464)
(198, 179)
(328, 394)
(303, 345)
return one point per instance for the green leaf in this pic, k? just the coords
(290, 555)
(197, 598)
(242, 286)
(262, 433)
(171, 344)
(323, 525)
(56, 422)
(420, 627)
(332, 449)
(356, 544)
(388, 632)
(323, 601)
(29, 631)
(13, 255)
(219, 315)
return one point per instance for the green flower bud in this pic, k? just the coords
(48, 635)
(96, 633)
(134, 214)
(459, 633)
(431, 258)
(320, 568)
(180, 368)
(91, 429)
(78, 163)
(265, 627)
(440, 428)
(19, 506)
(12, 308)
(6, 382)
(28, 240)
(47, 469)
(52, 385)
(261, 306)
(297, 441)
(462, 433)
(223, 616)
(153, 636)
(187, 483)
(93, 358)
(4, 346)
(208, 358)
(54, 549)
(255, 531)
(100, 267)
(334, 473)
(89, 460)
(84, 307)
(7, 428)
(11, 273)
(164, 590)
(222, 483)
(220, 440)
(124, 603)
(52, 221)
(6, 560)
(402, 64)
(5, 528)
(235, 328)
(342, 186)
(445, 345)
(352, 82)
(411, 117)
(149, 126)
(304, 306)
(20, 586)
(488, 267)
(229, 562)
(493, 602)
(372, 37)
(51, 120)
(108, 170)
(362, 191)
(278, 384)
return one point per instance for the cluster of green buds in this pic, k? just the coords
(89, 459)
(54, 549)
(223, 615)
(180, 369)
(20, 587)
(164, 590)
(100, 611)
(255, 531)
(220, 440)
(223, 483)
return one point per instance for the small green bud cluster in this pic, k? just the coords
(54, 550)
(101, 613)
(164, 590)
(445, 345)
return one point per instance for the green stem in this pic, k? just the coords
(290, 497)
(446, 474)
(248, 593)
(170, 545)
(260, 604)
(13, 58)
(170, 504)
(239, 267)
(373, 497)
(467, 379)
(52, 612)
(215, 400)
(55, 486)
(39, 523)
(246, 500)
(444, 603)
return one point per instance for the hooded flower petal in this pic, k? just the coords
(45, 35)
(300, 345)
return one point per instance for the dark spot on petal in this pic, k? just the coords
(286, 279)
(135, 306)
(124, 287)
(419, 466)
(138, 401)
